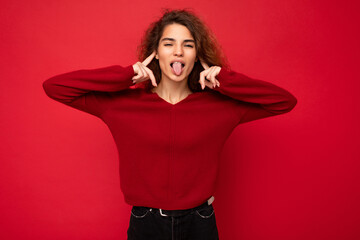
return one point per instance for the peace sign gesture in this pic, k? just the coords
(142, 72)
(209, 74)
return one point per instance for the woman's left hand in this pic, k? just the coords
(207, 77)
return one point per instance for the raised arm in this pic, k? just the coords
(83, 89)
(258, 99)
(87, 89)
(263, 99)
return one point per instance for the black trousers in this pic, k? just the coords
(148, 224)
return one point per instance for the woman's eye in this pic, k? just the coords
(168, 44)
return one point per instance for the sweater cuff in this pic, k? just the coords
(128, 72)
(225, 79)
(223, 75)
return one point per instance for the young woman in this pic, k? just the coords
(170, 115)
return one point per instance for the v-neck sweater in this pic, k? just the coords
(168, 153)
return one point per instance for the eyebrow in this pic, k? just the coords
(172, 39)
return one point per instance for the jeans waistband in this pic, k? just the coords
(176, 213)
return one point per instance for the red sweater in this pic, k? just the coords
(169, 154)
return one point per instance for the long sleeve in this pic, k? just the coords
(85, 89)
(259, 99)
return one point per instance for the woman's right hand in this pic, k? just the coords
(143, 73)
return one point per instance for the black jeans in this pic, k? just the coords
(148, 224)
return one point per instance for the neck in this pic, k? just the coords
(172, 91)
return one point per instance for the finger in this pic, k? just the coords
(151, 75)
(214, 74)
(144, 74)
(210, 76)
(205, 66)
(149, 58)
(136, 69)
(139, 73)
(202, 80)
(134, 78)
(219, 70)
(217, 73)
(209, 84)
(213, 77)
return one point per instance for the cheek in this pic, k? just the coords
(193, 56)
(193, 59)
(191, 67)
(163, 59)
(162, 63)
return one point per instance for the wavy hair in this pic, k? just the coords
(206, 44)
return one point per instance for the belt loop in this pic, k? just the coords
(162, 214)
(211, 200)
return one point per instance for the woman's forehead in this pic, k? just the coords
(176, 32)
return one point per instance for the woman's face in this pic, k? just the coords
(176, 45)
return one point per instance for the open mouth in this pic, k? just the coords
(182, 65)
(177, 68)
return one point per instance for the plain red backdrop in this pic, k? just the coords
(293, 176)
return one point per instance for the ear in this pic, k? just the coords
(157, 56)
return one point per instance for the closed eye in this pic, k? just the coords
(185, 45)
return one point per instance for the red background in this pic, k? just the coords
(293, 176)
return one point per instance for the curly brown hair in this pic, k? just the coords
(206, 44)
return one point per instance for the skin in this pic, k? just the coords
(173, 88)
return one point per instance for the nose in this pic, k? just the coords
(178, 51)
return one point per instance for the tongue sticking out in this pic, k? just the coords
(177, 68)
